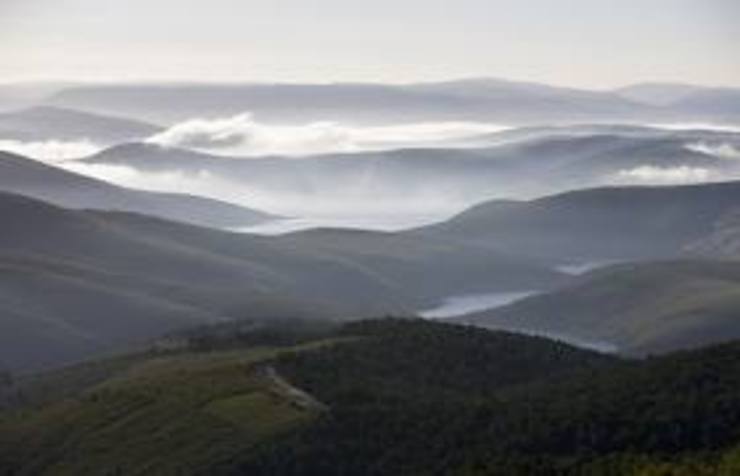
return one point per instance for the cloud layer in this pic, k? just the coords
(654, 175)
(723, 151)
(51, 150)
(242, 135)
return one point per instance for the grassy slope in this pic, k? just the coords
(404, 397)
(175, 414)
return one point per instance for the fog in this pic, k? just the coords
(50, 150)
(401, 190)
(465, 304)
(723, 151)
(654, 175)
(244, 136)
(350, 206)
(595, 345)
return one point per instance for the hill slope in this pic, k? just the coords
(65, 268)
(599, 224)
(364, 399)
(638, 308)
(35, 179)
(518, 164)
(44, 123)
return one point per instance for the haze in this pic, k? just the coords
(579, 43)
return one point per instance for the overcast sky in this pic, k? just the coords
(584, 43)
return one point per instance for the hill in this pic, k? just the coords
(604, 224)
(28, 177)
(456, 100)
(382, 397)
(64, 269)
(637, 308)
(42, 123)
(522, 163)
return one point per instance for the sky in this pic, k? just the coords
(580, 43)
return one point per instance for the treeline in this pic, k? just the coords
(246, 333)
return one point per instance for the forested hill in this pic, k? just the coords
(384, 397)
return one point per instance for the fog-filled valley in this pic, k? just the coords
(201, 203)
(273, 268)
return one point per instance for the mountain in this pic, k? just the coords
(44, 123)
(383, 397)
(486, 99)
(32, 178)
(549, 161)
(78, 283)
(481, 99)
(636, 308)
(604, 224)
(658, 94)
(14, 96)
(712, 104)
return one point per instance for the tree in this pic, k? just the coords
(6, 379)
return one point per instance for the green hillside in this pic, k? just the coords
(385, 397)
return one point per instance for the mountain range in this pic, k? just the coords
(468, 99)
(78, 283)
(521, 163)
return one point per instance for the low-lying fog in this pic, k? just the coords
(465, 304)
(398, 197)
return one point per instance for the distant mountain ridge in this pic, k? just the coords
(466, 99)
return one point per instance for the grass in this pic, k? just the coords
(178, 414)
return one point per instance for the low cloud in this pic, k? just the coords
(654, 175)
(697, 126)
(243, 135)
(51, 150)
(347, 204)
(723, 151)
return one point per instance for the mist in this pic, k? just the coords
(723, 151)
(348, 206)
(243, 135)
(50, 150)
(655, 175)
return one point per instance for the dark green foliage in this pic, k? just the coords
(6, 378)
(398, 409)
(248, 333)
(404, 397)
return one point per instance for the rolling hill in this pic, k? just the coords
(638, 308)
(521, 164)
(43, 123)
(380, 397)
(32, 178)
(498, 100)
(64, 270)
(605, 224)
(483, 99)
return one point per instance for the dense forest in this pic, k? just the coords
(380, 397)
